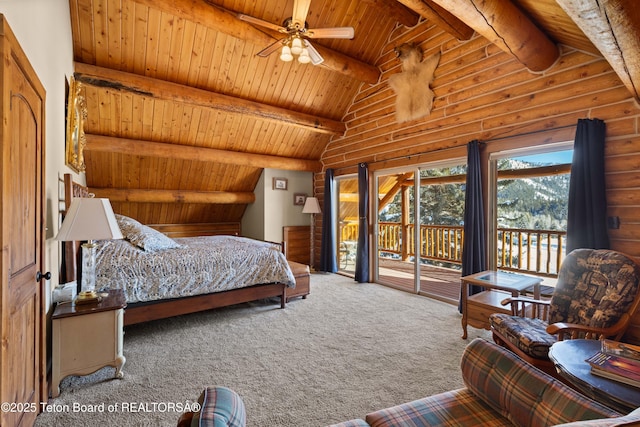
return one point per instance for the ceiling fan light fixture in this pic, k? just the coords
(296, 31)
(286, 54)
(296, 46)
(304, 57)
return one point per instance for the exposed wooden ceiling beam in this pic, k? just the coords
(391, 194)
(506, 26)
(395, 10)
(173, 196)
(225, 21)
(613, 26)
(109, 144)
(441, 17)
(147, 86)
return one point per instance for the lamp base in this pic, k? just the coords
(88, 297)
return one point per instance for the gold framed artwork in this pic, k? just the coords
(75, 137)
(280, 183)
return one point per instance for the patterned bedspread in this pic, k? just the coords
(200, 265)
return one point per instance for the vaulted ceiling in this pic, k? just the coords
(182, 115)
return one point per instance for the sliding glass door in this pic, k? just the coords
(347, 223)
(418, 233)
(395, 231)
(441, 219)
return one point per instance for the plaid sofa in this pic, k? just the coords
(501, 390)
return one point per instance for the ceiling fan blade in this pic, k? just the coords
(316, 58)
(263, 23)
(330, 33)
(270, 49)
(300, 11)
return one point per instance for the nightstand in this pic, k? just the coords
(87, 337)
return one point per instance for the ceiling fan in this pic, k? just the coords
(296, 32)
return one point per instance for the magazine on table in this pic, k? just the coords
(617, 361)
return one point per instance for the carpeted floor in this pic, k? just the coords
(346, 350)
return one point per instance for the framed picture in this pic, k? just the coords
(299, 199)
(75, 137)
(280, 183)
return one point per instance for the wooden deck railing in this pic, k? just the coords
(531, 251)
(538, 252)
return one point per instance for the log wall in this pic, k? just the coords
(483, 93)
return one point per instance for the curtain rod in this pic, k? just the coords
(451, 148)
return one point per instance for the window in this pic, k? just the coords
(529, 192)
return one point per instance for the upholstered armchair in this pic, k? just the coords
(595, 297)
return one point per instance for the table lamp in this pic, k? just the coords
(311, 206)
(89, 219)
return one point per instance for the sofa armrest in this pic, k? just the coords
(522, 393)
(219, 406)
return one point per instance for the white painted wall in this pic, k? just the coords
(252, 223)
(274, 209)
(43, 29)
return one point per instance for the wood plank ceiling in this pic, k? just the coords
(183, 116)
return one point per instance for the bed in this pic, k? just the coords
(180, 271)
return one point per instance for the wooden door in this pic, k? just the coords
(22, 362)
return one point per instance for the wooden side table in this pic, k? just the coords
(570, 356)
(87, 337)
(498, 285)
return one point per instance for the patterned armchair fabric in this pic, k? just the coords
(596, 289)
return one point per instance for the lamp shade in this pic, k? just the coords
(304, 57)
(286, 54)
(89, 219)
(296, 46)
(311, 206)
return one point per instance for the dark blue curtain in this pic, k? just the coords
(362, 254)
(587, 214)
(328, 261)
(474, 255)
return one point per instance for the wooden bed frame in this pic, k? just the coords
(147, 311)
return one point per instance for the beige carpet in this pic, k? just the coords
(346, 350)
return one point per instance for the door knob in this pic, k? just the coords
(40, 276)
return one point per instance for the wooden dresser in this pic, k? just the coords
(297, 243)
(297, 249)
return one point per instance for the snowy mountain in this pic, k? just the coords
(523, 203)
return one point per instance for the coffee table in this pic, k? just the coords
(570, 357)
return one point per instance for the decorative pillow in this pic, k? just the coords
(144, 237)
